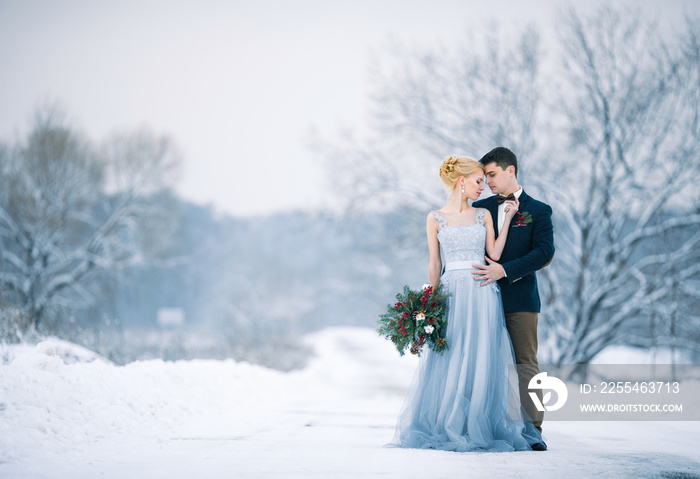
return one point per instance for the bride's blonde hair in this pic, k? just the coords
(455, 166)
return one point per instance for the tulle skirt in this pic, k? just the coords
(461, 400)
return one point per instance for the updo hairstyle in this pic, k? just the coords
(455, 166)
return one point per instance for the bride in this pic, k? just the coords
(461, 400)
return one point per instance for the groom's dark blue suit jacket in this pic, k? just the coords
(529, 247)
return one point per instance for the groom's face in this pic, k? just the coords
(497, 178)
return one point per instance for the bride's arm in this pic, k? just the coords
(435, 264)
(494, 247)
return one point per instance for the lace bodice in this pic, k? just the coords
(462, 242)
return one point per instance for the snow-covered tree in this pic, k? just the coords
(631, 114)
(72, 213)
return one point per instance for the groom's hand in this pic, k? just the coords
(488, 273)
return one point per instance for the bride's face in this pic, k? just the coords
(474, 185)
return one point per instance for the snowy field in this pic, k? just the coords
(65, 413)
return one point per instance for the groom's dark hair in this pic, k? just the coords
(502, 156)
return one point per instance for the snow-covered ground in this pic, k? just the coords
(65, 413)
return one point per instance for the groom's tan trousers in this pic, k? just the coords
(522, 328)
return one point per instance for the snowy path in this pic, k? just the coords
(223, 419)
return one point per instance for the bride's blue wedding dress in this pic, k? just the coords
(459, 401)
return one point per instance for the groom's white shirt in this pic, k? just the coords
(502, 217)
(502, 207)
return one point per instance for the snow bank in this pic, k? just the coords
(58, 397)
(60, 407)
(68, 352)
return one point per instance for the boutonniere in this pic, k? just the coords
(522, 219)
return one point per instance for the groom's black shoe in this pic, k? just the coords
(539, 446)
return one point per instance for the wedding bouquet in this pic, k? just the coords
(417, 318)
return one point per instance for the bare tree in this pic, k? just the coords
(679, 310)
(462, 98)
(70, 212)
(631, 112)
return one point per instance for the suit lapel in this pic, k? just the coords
(523, 201)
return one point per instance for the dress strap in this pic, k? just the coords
(479, 218)
(442, 222)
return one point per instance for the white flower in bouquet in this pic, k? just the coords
(420, 316)
(426, 286)
(429, 329)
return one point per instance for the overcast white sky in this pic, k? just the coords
(237, 84)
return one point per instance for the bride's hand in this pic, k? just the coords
(511, 208)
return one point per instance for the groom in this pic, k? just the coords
(529, 247)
